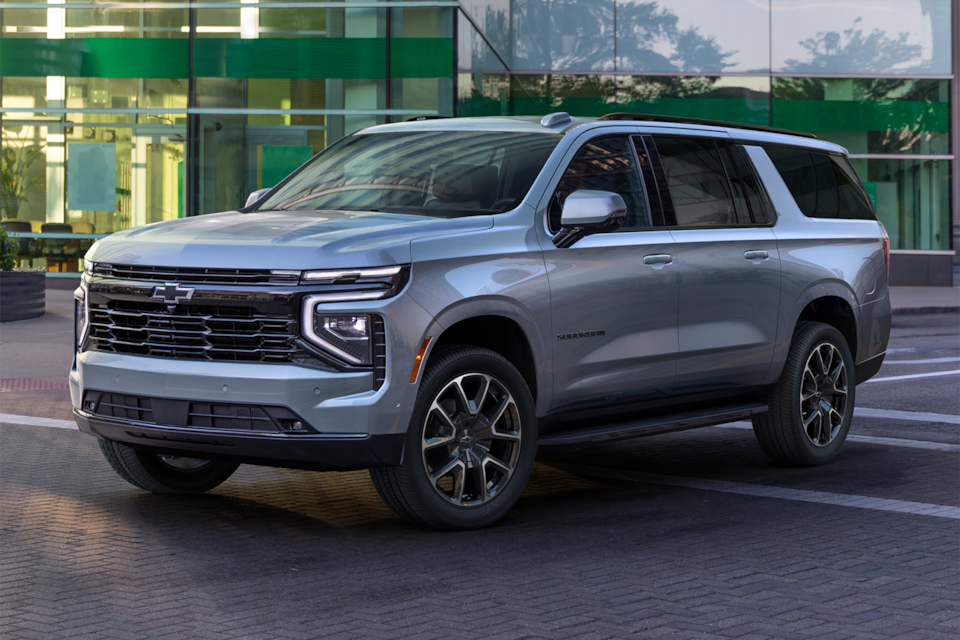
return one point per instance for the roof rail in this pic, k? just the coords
(713, 123)
(422, 118)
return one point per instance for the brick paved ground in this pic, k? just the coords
(593, 554)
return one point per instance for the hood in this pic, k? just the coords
(295, 240)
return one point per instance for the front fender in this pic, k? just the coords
(511, 309)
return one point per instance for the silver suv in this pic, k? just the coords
(434, 300)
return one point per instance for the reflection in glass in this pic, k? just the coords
(880, 36)
(867, 115)
(912, 199)
(563, 34)
(729, 99)
(732, 99)
(445, 174)
(692, 36)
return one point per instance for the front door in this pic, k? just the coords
(613, 295)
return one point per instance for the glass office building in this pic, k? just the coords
(117, 115)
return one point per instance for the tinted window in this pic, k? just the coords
(850, 193)
(603, 164)
(696, 181)
(746, 180)
(824, 185)
(432, 173)
(796, 169)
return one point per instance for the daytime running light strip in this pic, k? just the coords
(359, 273)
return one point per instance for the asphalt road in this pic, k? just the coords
(687, 535)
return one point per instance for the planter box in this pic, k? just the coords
(22, 295)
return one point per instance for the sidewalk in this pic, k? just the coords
(920, 300)
(908, 301)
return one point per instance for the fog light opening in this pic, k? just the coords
(293, 426)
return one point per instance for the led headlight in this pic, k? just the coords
(348, 336)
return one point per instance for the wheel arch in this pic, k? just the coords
(501, 335)
(834, 308)
(503, 328)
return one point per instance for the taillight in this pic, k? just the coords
(886, 249)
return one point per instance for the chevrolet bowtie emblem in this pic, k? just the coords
(172, 293)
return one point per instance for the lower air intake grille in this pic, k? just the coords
(198, 415)
(127, 407)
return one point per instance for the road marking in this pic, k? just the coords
(917, 416)
(800, 495)
(767, 491)
(34, 421)
(890, 442)
(914, 375)
(930, 361)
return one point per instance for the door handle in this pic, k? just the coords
(756, 256)
(658, 258)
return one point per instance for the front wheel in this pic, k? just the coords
(165, 474)
(812, 404)
(470, 446)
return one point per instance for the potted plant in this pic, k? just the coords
(22, 293)
(15, 184)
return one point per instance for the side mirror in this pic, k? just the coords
(587, 212)
(256, 195)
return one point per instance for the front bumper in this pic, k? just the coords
(322, 452)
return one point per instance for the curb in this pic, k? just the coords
(922, 311)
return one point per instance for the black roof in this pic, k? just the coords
(713, 123)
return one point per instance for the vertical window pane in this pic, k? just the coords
(603, 164)
(697, 183)
(693, 35)
(868, 115)
(912, 199)
(753, 189)
(796, 169)
(880, 36)
(851, 196)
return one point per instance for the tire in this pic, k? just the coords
(165, 474)
(470, 446)
(812, 404)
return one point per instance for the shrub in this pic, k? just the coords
(8, 250)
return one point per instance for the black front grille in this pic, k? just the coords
(116, 405)
(192, 275)
(199, 415)
(228, 333)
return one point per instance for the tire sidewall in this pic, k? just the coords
(810, 453)
(196, 480)
(452, 364)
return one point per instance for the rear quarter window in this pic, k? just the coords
(822, 184)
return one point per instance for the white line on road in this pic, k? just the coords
(34, 421)
(930, 361)
(916, 416)
(801, 495)
(914, 375)
(890, 442)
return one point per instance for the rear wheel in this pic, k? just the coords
(165, 474)
(812, 404)
(470, 446)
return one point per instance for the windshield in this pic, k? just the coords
(433, 173)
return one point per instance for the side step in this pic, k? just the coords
(653, 426)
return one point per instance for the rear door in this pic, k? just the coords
(729, 266)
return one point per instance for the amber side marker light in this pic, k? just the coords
(419, 360)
